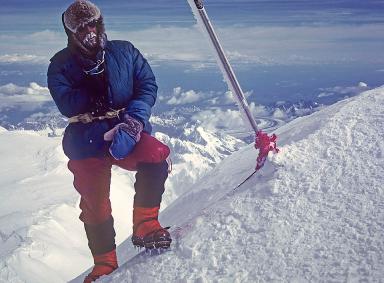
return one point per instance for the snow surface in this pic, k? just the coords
(41, 236)
(38, 211)
(314, 213)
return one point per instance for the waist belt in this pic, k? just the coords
(88, 117)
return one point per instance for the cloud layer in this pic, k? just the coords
(23, 58)
(180, 97)
(28, 98)
(261, 45)
(343, 90)
(264, 45)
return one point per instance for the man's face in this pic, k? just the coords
(87, 35)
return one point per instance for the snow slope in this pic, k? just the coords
(38, 214)
(315, 212)
(40, 235)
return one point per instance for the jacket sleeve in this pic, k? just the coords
(71, 101)
(144, 88)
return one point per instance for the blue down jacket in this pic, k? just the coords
(131, 85)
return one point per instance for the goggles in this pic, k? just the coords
(91, 24)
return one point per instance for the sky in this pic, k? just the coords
(284, 50)
(257, 32)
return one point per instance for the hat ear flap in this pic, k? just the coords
(100, 24)
(67, 31)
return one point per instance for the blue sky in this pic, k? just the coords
(264, 32)
(280, 50)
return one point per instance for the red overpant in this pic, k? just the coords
(92, 177)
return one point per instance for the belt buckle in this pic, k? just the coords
(110, 115)
(85, 118)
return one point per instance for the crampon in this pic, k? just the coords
(156, 240)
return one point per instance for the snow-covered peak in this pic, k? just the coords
(314, 213)
(194, 153)
(362, 85)
(40, 233)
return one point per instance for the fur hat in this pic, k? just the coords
(80, 13)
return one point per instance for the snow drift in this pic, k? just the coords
(40, 235)
(315, 212)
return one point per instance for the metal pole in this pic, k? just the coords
(226, 68)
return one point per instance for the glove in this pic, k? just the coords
(124, 137)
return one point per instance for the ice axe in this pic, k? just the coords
(263, 142)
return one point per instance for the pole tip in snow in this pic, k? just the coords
(199, 4)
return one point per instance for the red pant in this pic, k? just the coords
(92, 176)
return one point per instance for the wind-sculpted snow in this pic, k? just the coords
(194, 152)
(38, 226)
(192, 160)
(313, 214)
(41, 238)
